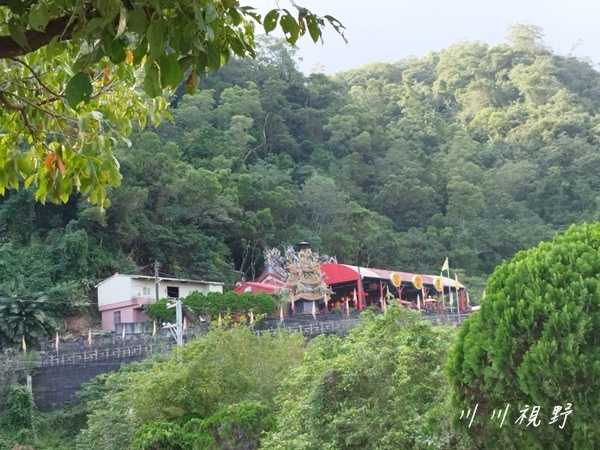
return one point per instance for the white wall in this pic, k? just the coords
(114, 290)
(123, 288)
(138, 285)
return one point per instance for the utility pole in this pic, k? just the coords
(179, 319)
(156, 278)
(178, 333)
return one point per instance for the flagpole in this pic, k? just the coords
(446, 266)
(443, 290)
(449, 287)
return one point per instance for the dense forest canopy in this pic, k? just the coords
(473, 152)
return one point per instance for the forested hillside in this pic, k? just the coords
(473, 152)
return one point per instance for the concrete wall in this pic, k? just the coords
(55, 386)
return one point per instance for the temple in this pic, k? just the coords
(310, 283)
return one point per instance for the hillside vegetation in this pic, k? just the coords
(473, 152)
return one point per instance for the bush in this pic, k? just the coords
(535, 342)
(234, 427)
(19, 408)
(372, 389)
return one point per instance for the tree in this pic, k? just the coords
(73, 74)
(24, 315)
(229, 378)
(535, 342)
(372, 389)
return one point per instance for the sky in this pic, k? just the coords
(389, 30)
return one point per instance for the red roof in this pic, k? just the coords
(253, 287)
(340, 273)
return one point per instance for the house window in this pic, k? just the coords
(172, 291)
(146, 292)
(117, 317)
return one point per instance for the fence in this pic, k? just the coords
(136, 346)
(313, 328)
(59, 374)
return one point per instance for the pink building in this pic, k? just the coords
(120, 297)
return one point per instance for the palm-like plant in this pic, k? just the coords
(24, 314)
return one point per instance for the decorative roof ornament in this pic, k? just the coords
(300, 271)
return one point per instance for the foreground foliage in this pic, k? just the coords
(379, 387)
(195, 388)
(237, 426)
(535, 342)
(73, 74)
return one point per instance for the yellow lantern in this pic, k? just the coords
(395, 279)
(438, 284)
(417, 281)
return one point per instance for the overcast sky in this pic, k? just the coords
(389, 30)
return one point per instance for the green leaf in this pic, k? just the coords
(270, 21)
(236, 44)
(116, 51)
(93, 25)
(210, 34)
(28, 181)
(210, 13)
(290, 28)
(137, 21)
(79, 89)
(18, 35)
(169, 70)
(24, 165)
(17, 6)
(156, 38)
(185, 63)
(313, 28)
(213, 57)
(152, 85)
(38, 17)
(199, 19)
(53, 48)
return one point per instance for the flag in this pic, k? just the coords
(446, 265)
(468, 301)
(281, 313)
(24, 345)
(184, 323)
(347, 307)
(388, 291)
(154, 328)
(456, 284)
(314, 310)
(57, 341)
(354, 299)
(419, 302)
(326, 301)
(251, 317)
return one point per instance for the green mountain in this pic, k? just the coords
(474, 153)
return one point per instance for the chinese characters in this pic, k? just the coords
(526, 418)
